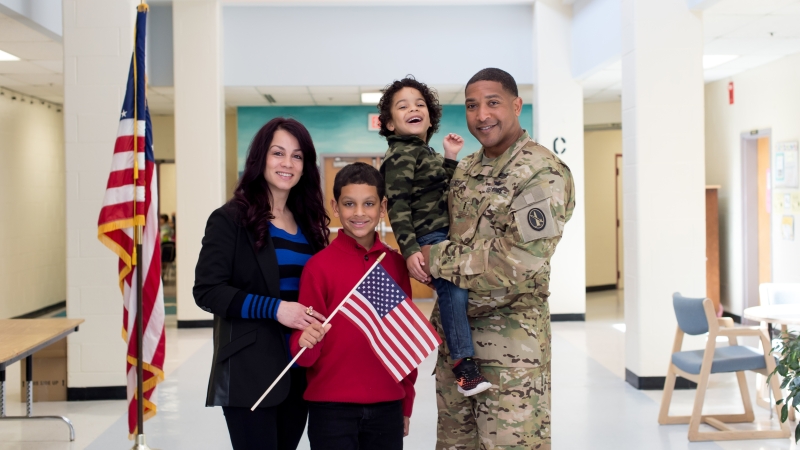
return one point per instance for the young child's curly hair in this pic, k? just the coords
(428, 94)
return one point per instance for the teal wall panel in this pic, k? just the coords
(343, 129)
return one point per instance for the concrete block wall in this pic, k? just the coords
(98, 42)
(32, 230)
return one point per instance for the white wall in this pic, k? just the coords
(32, 226)
(765, 97)
(596, 35)
(360, 46)
(98, 40)
(557, 115)
(602, 113)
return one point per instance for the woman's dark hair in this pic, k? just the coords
(252, 194)
(428, 94)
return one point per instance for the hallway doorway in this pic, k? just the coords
(603, 206)
(757, 207)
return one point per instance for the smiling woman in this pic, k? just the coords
(254, 251)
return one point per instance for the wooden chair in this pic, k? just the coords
(696, 316)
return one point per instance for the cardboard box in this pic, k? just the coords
(49, 374)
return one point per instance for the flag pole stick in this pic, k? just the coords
(137, 242)
(297, 356)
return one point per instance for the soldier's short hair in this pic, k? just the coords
(428, 94)
(358, 173)
(501, 76)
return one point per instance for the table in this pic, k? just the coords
(21, 338)
(774, 314)
(783, 315)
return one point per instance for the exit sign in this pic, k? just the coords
(373, 122)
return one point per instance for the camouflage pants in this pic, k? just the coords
(513, 415)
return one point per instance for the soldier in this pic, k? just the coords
(508, 206)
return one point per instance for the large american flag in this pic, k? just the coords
(133, 170)
(398, 332)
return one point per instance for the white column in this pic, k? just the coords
(664, 175)
(98, 43)
(199, 137)
(558, 125)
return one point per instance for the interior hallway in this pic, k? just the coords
(593, 406)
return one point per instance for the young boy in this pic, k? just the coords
(417, 182)
(354, 403)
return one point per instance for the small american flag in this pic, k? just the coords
(398, 332)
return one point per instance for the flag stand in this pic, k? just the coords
(140, 440)
(291, 363)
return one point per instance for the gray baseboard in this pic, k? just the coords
(602, 287)
(97, 393)
(655, 383)
(43, 311)
(568, 317)
(195, 324)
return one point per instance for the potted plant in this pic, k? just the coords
(788, 367)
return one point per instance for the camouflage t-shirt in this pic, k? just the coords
(417, 180)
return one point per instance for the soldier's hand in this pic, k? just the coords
(414, 264)
(452, 144)
(406, 421)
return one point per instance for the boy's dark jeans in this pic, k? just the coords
(353, 426)
(452, 306)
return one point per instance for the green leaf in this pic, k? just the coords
(784, 413)
(785, 382)
(783, 370)
(779, 402)
(797, 433)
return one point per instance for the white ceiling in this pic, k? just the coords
(40, 71)
(759, 31)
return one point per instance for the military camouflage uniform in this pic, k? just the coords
(416, 186)
(506, 218)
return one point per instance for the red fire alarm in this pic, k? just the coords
(730, 93)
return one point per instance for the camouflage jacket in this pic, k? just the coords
(417, 180)
(506, 218)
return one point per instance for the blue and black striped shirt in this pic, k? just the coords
(292, 251)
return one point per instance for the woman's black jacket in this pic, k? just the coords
(248, 353)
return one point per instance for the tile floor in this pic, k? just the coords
(593, 407)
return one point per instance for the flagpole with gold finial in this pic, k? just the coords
(137, 242)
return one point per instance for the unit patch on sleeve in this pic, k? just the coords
(533, 215)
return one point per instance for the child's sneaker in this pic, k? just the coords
(469, 378)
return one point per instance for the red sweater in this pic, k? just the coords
(342, 367)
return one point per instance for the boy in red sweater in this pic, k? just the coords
(354, 403)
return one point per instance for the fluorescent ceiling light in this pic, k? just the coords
(371, 98)
(710, 61)
(7, 56)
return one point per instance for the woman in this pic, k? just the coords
(254, 249)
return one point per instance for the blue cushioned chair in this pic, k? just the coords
(696, 316)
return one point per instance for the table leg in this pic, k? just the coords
(2, 392)
(29, 400)
(29, 385)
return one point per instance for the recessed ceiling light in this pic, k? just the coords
(371, 98)
(7, 56)
(710, 61)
